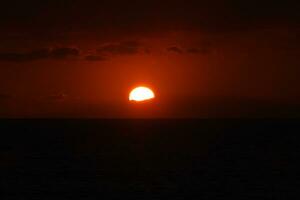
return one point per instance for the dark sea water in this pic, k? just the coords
(149, 159)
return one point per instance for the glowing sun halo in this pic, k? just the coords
(141, 94)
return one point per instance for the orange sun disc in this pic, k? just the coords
(141, 94)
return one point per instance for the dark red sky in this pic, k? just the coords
(78, 58)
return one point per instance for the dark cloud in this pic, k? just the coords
(122, 48)
(60, 53)
(175, 49)
(204, 47)
(24, 57)
(56, 53)
(115, 49)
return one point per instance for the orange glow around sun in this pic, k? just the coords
(141, 94)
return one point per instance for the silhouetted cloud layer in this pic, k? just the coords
(113, 49)
(203, 48)
(56, 53)
(122, 48)
(64, 52)
(175, 49)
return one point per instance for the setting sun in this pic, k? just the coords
(141, 94)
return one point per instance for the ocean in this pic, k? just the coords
(149, 159)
